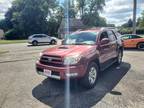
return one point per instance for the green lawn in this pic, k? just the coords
(12, 41)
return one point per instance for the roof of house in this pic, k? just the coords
(74, 24)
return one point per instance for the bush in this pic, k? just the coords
(129, 31)
(12, 34)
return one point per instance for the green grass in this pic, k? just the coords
(12, 41)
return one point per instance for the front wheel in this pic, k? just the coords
(53, 42)
(140, 45)
(89, 80)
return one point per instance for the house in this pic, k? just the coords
(1, 34)
(74, 25)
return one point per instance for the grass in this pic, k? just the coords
(12, 41)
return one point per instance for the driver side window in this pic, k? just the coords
(103, 35)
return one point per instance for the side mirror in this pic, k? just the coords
(104, 41)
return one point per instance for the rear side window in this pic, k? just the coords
(111, 35)
(125, 37)
(37, 36)
(134, 37)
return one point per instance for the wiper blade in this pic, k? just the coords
(80, 43)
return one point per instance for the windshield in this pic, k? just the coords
(84, 38)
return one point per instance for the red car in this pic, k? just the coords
(133, 41)
(82, 55)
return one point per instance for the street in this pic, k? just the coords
(22, 87)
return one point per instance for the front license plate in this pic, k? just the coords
(47, 72)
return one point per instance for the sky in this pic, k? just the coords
(116, 11)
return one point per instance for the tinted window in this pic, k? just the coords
(103, 35)
(37, 36)
(134, 37)
(111, 36)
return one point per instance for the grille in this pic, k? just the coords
(51, 60)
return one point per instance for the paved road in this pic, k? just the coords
(21, 87)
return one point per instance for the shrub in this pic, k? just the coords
(12, 34)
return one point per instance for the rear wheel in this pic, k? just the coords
(89, 80)
(140, 45)
(34, 43)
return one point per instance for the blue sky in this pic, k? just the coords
(115, 11)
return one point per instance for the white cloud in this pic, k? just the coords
(119, 11)
(4, 5)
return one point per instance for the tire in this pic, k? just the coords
(140, 45)
(34, 43)
(119, 57)
(53, 42)
(89, 80)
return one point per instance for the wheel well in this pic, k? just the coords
(34, 41)
(139, 43)
(97, 62)
(53, 40)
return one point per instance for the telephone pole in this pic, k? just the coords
(134, 15)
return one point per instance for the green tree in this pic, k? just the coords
(141, 20)
(89, 11)
(30, 16)
(81, 4)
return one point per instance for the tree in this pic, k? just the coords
(128, 24)
(81, 6)
(141, 20)
(93, 19)
(90, 12)
(30, 16)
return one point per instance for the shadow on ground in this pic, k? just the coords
(52, 92)
(44, 44)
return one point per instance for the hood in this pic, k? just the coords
(66, 50)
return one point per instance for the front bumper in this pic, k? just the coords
(61, 73)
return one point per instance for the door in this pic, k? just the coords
(45, 39)
(113, 44)
(104, 50)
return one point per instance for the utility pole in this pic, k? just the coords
(134, 15)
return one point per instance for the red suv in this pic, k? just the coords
(82, 55)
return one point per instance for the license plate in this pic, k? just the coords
(47, 72)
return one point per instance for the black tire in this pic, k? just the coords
(119, 57)
(86, 81)
(53, 42)
(140, 45)
(34, 43)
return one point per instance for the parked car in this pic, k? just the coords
(82, 55)
(133, 41)
(41, 38)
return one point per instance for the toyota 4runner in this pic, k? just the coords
(82, 55)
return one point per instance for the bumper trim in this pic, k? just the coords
(52, 76)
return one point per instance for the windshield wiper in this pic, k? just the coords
(80, 43)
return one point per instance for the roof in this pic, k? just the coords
(74, 24)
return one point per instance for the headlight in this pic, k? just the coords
(40, 54)
(70, 60)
